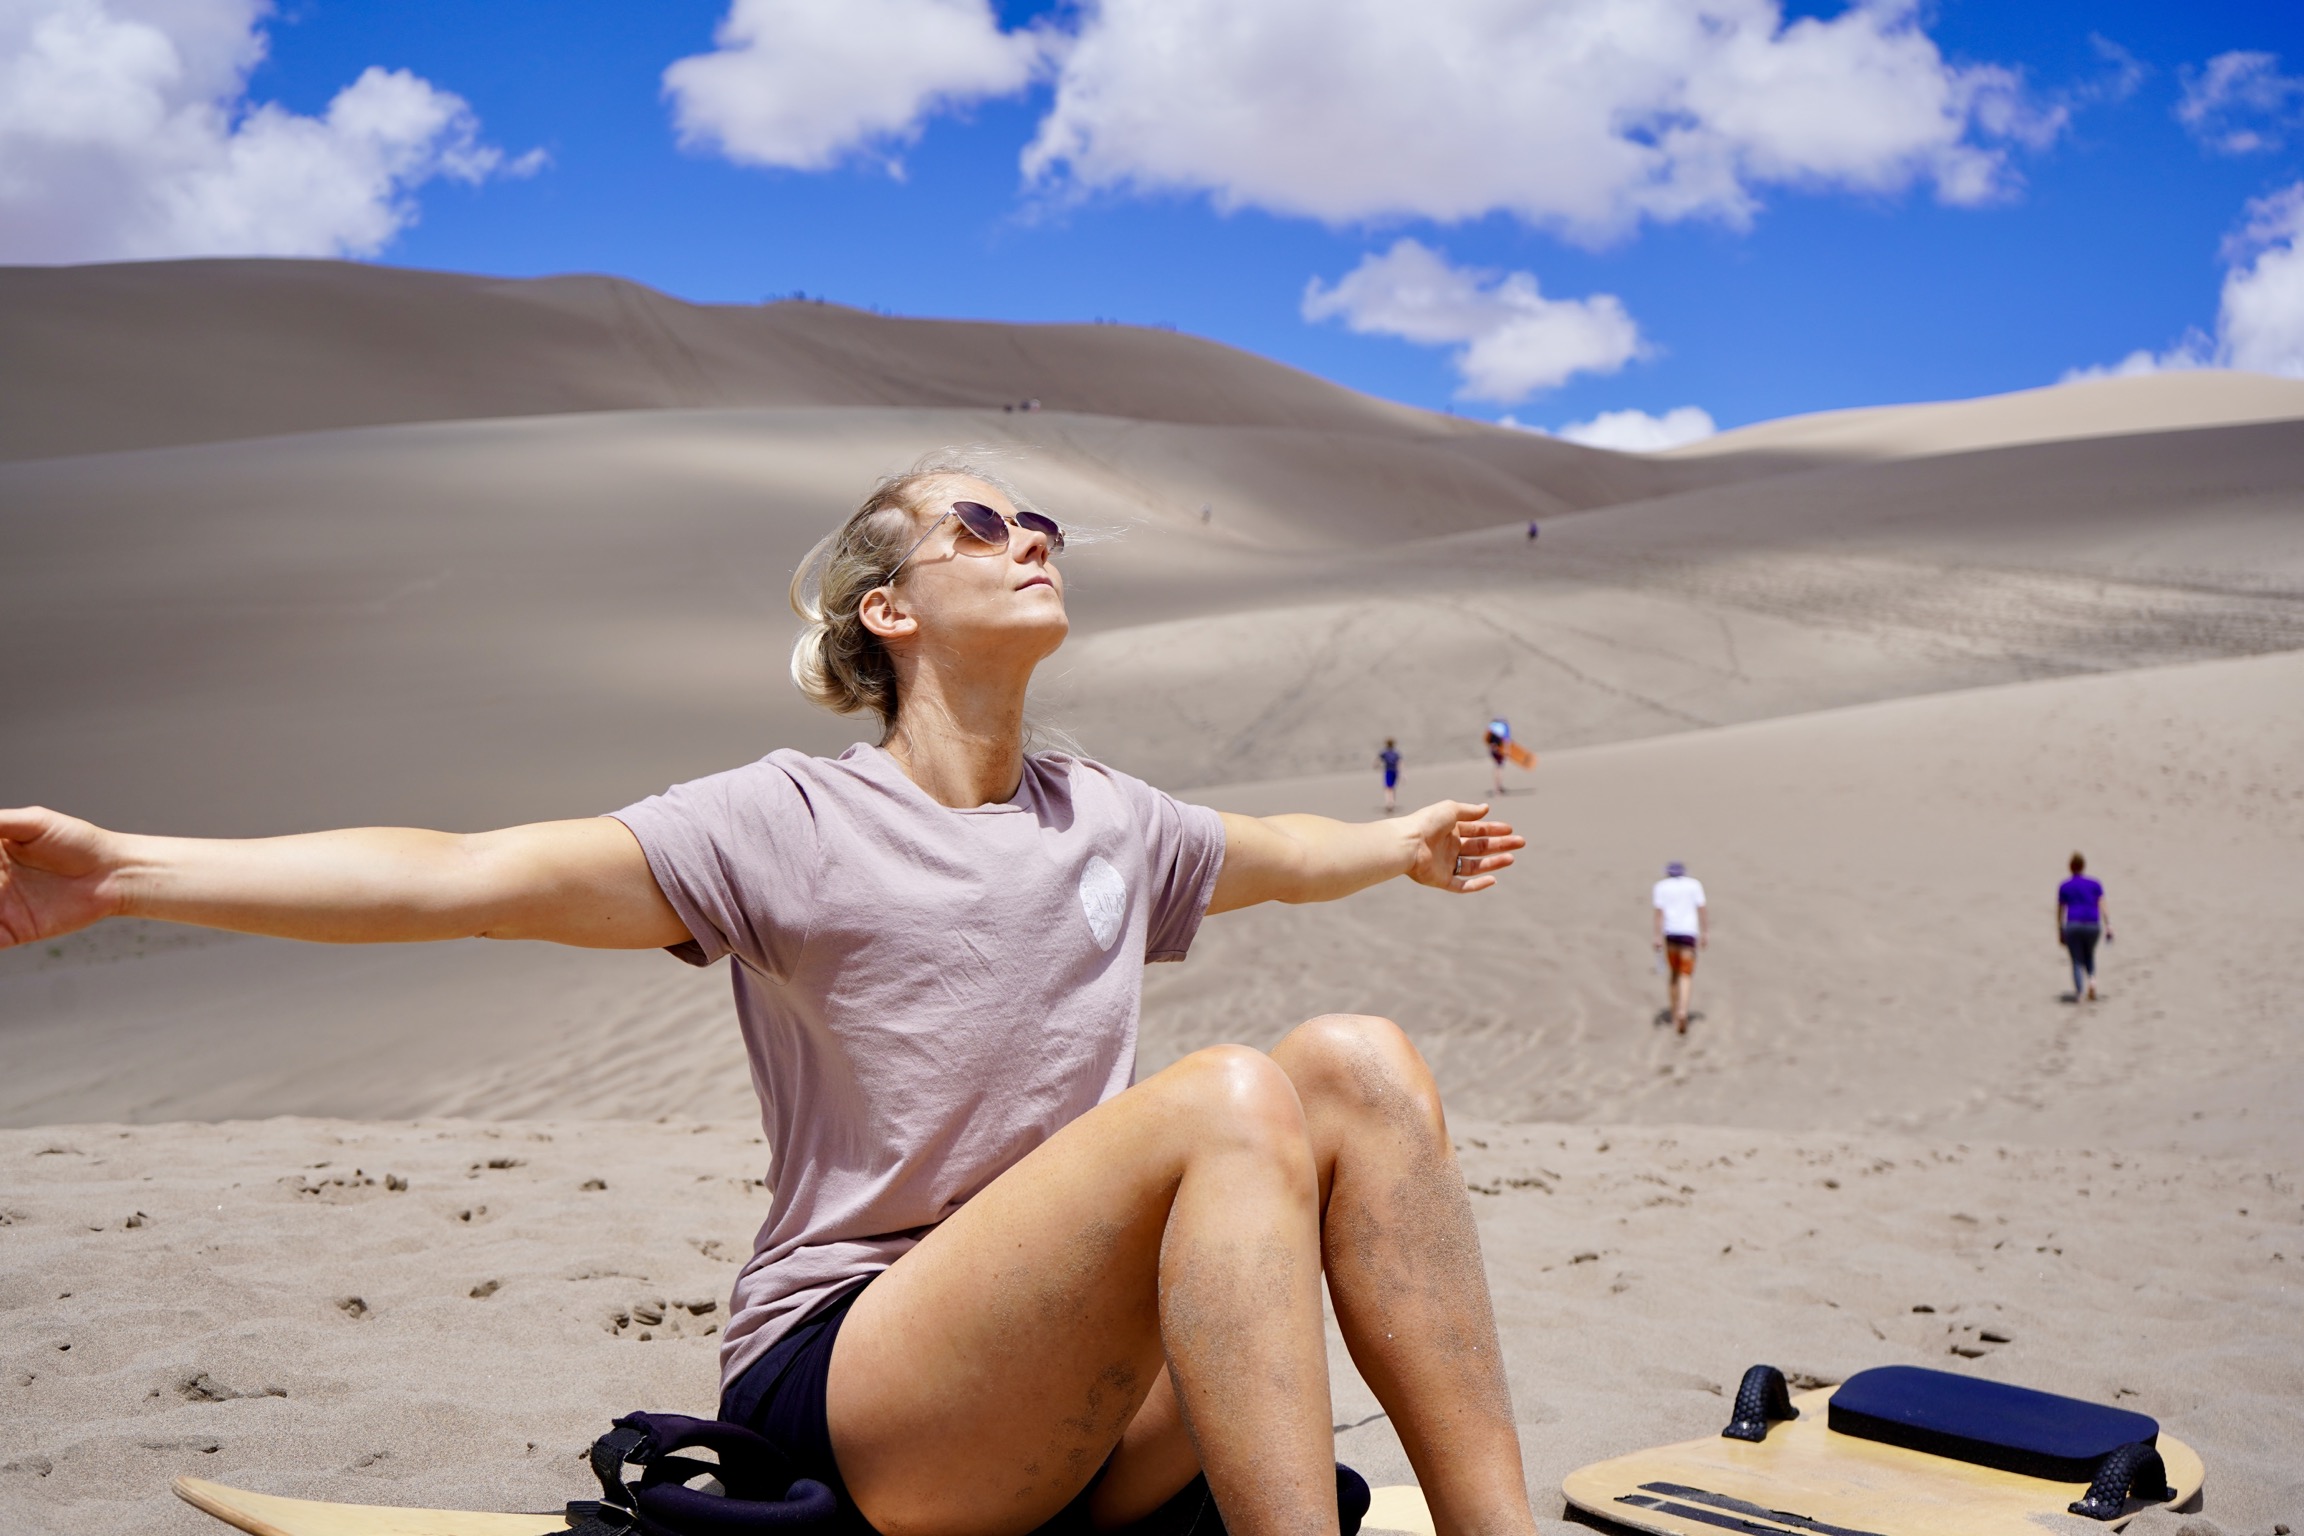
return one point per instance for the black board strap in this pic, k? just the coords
(610, 1452)
(2131, 1470)
(1748, 1513)
(590, 1517)
(1760, 1398)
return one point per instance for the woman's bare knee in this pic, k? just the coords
(1359, 1066)
(1231, 1099)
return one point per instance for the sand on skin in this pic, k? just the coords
(1872, 674)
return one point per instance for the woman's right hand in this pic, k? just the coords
(55, 875)
(584, 882)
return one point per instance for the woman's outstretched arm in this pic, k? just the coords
(572, 882)
(1311, 858)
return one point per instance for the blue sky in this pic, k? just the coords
(2104, 228)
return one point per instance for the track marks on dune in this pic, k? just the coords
(2036, 622)
(662, 1045)
(1521, 642)
(1586, 643)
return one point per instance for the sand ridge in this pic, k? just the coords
(2158, 402)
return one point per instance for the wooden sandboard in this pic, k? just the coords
(263, 1514)
(1804, 1480)
(1398, 1508)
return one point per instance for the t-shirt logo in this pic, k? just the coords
(1104, 898)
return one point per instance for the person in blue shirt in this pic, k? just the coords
(1389, 761)
(2080, 922)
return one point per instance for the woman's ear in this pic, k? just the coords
(884, 615)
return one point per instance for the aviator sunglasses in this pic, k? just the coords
(988, 527)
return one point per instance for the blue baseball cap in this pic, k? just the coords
(1675, 868)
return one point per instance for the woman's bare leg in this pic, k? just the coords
(978, 1385)
(1404, 1268)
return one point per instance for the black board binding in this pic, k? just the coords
(1761, 1398)
(2132, 1469)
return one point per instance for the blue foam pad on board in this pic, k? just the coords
(1988, 1423)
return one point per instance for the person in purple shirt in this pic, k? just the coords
(2080, 922)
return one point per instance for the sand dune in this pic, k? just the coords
(1882, 878)
(468, 623)
(2160, 402)
(151, 354)
(301, 544)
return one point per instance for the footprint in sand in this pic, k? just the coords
(204, 1388)
(341, 1188)
(655, 1318)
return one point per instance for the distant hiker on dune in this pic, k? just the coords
(1389, 761)
(1502, 749)
(1682, 928)
(2080, 922)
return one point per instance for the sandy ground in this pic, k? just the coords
(300, 544)
(1894, 1117)
(255, 1303)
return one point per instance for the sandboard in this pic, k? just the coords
(1520, 755)
(264, 1514)
(1806, 1480)
(1400, 1507)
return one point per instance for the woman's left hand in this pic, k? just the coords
(1456, 849)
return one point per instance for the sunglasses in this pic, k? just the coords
(988, 527)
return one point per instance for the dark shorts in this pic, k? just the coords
(1391, 778)
(781, 1398)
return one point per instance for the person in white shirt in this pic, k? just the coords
(1681, 930)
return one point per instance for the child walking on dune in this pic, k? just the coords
(1682, 928)
(1389, 761)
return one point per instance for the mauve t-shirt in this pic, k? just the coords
(926, 994)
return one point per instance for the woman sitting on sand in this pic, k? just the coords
(997, 1283)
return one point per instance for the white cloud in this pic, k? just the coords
(1584, 116)
(1639, 432)
(2123, 73)
(2260, 319)
(126, 132)
(804, 83)
(1511, 340)
(2195, 350)
(2260, 323)
(2240, 102)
